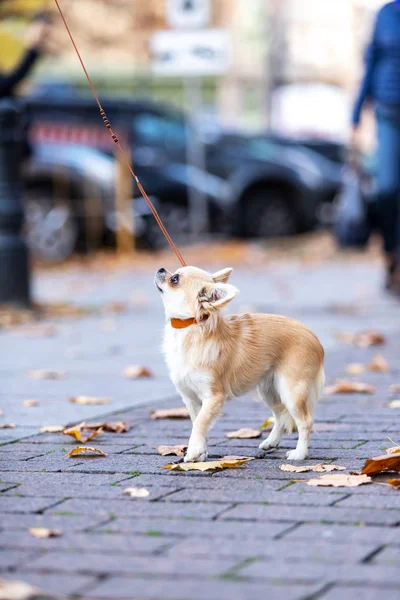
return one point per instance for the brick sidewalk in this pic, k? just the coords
(238, 534)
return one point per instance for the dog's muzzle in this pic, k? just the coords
(160, 278)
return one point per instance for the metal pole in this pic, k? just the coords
(196, 160)
(14, 262)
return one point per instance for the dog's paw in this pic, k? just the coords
(197, 451)
(296, 454)
(269, 444)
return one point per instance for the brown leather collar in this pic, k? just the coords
(183, 323)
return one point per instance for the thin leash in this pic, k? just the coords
(117, 142)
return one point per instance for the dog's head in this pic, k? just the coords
(192, 292)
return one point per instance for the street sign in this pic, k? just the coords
(188, 14)
(196, 53)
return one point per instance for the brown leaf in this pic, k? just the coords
(244, 434)
(349, 387)
(31, 403)
(392, 449)
(17, 590)
(116, 307)
(112, 427)
(320, 468)
(394, 404)
(46, 374)
(268, 423)
(394, 483)
(89, 400)
(362, 340)
(7, 425)
(379, 364)
(212, 465)
(44, 532)
(355, 368)
(178, 450)
(76, 433)
(83, 449)
(378, 464)
(52, 429)
(170, 413)
(136, 372)
(135, 492)
(340, 480)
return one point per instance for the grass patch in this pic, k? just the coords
(153, 533)
(135, 473)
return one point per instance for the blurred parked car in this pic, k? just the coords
(254, 187)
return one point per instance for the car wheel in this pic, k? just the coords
(175, 218)
(268, 213)
(51, 227)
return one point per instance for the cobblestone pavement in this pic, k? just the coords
(250, 532)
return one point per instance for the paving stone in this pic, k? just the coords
(340, 533)
(64, 521)
(389, 555)
(391, 501)
(58, 584)
(16, 504)
(11, 559)
(255, 496)
(339, 592)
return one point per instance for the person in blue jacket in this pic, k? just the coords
(381, 85)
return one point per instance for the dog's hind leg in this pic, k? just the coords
(267, 391)
(300, 402)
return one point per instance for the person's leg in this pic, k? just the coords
(388, 180)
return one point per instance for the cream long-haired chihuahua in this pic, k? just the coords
(212, 357)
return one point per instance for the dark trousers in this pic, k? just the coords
(388, 177)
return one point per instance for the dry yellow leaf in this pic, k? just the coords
(136, 372)
(135, 492)
(320, 468)
(268, 423)
(170, 413)
(355, 368)
(76, 433)
(116, 307)
(379, 364)
(340, 480)
(44, 532)
(394, 404)
(178, 450)
(243, 434)
(17, 590)
(392, 449)
(31, 403)
(394, 483)
(362, 340)
(112, 427)
(349, 387)
(52, 429)
(212, 465)
(89, 400)
(7, 425)
(377, 464)
(46, 374)
(86, 449)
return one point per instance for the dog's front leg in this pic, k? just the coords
(210, 409)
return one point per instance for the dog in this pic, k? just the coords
(212, 357)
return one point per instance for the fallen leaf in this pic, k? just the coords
(320, 468)
(76, 433)
(394, 404)
(387, 462)
(355, 368)
(268, 423)
(178, 450)
(340, 480)
(7, 425)
(243, 434)
(349, 387)
(212, 465)
(170, 413)
(112, 427)
(116, 307)
(44, 532)
(136, 372)
(394, 388)
(89, 400)
(52, 429)
(46, 374)
(84, 449)
(362, 340)
(135, 492)
(17, 590)
(392, 449)
(394, 483)
(230, 457)
(379, 364)
(31, 403)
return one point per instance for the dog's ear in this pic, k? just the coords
(217, 296)
(222, 276)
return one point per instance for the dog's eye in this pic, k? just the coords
(174, 279)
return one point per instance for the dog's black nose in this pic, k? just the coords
(161, 271)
